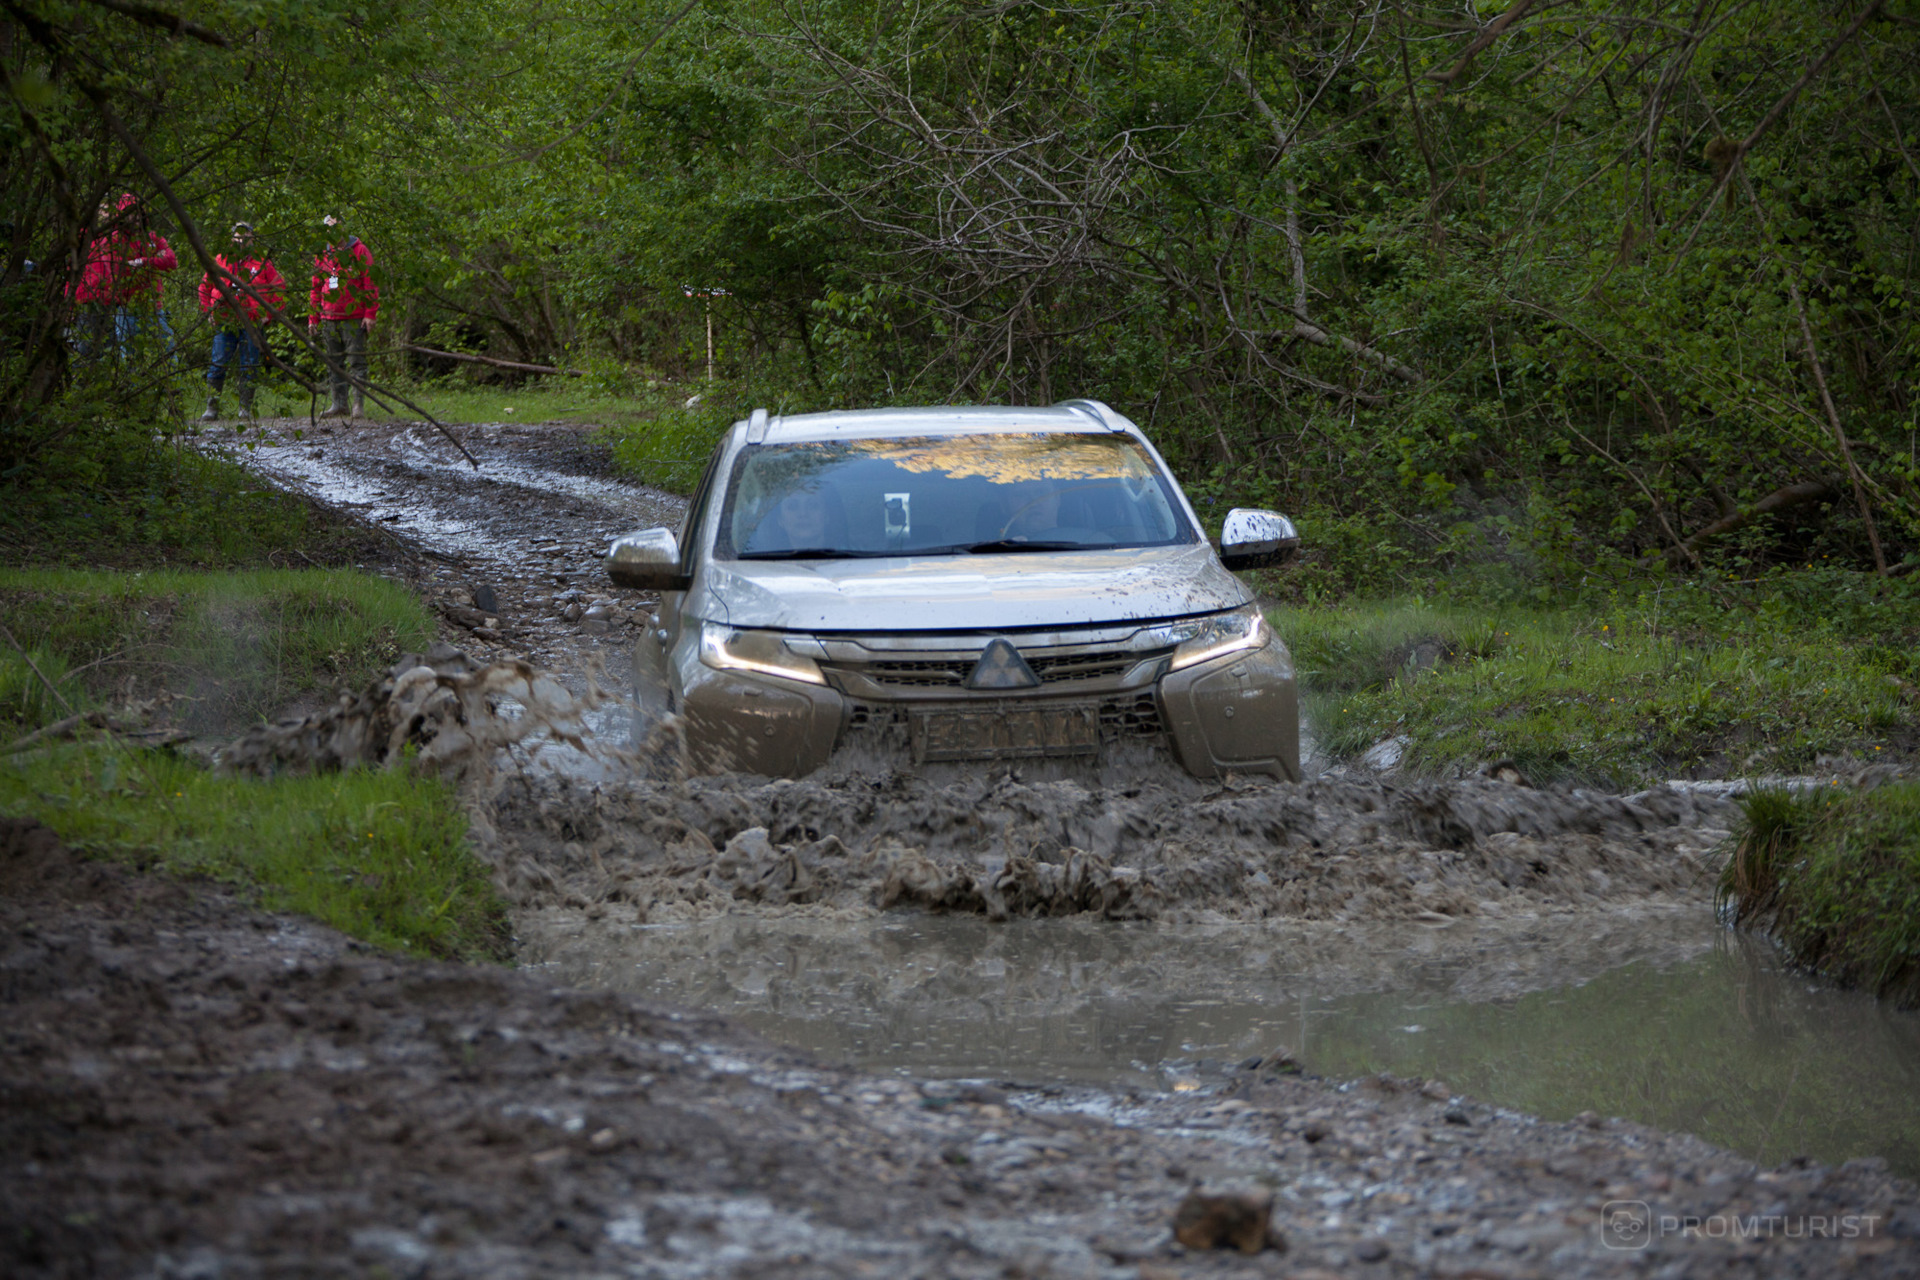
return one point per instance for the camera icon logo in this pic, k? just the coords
(1626, 1224)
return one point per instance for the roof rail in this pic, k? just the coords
(1099, 412)
(757, 426)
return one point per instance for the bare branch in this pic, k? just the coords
(1488, 35)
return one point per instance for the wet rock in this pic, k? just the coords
(1371, 1250)
(485, 599)
(1230, 1220)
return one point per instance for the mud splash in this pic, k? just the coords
(999, 846)
(440, 710)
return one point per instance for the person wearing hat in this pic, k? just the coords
(122, 272)
(236, 317)
(344, 301)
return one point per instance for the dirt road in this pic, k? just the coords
(191, 1088)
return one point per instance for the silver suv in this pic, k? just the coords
(975, 582)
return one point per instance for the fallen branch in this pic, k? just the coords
(105, 723)
(1793, 495)
(489, 360)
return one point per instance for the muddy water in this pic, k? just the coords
(1661, 1016)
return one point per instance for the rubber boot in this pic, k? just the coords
(337, 409)
(245, 395)
(213, 408)
(359, 403)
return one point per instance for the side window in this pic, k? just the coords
(697, 510)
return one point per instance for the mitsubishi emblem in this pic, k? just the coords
(1002, 667)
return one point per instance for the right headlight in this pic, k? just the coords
(764, 652)
(1243, 629)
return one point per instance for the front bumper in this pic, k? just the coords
(1236, 713)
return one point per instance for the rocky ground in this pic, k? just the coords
(191, 1088)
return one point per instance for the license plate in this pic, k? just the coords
(991, 732)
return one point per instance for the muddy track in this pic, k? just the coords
(192, 1088)
(524, 532)
(189, 1087)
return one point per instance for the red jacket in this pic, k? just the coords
(342, 289)
(110, 277)
(258, 272)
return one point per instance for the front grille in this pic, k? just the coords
(1130, 717)
(1084, 666)
(1136, 717)
(951, 672)
(921, 673)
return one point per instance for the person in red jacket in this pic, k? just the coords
(237, 316)
(344, 302)
(122, 273)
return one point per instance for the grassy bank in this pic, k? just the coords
(239, 645)
(380, 856)
(1757, 677)
(141, 503)
(1836, 877)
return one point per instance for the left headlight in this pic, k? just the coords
(764, 652)
(1245, 628)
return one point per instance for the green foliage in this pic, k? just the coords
(1835, 876)
(1618, 690)
(380, 856)
(1489, 320)
(124, 498)
(241, 645)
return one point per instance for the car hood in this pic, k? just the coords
(968, 593)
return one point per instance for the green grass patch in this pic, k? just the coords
(379, 856)
(153, 505)
(613, 401)
(1616, 692)
(1836, 877)
(241, 645)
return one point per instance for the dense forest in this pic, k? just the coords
(1572, 287)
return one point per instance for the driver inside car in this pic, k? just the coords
(804, 519)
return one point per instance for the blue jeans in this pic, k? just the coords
(227, 343)
(129, 324)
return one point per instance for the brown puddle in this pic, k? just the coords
(1658, 1016)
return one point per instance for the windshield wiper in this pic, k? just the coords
(1023, 544)
(813, 553)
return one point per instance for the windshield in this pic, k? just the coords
(947, 495)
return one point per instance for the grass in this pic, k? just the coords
(379, 856)
(1618, 692)
(157, 505)
(242, 645)
(1836, 877)
(614, 401)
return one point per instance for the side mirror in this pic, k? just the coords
(648, 561)
(1253, 539)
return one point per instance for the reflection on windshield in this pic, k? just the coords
(947, 495)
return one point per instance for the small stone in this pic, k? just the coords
(572, 612)
(1454, 1115)
(1436, 1090)
(1315, 1131)
(1238, 1219)
(1370, 1250)
(484, 598)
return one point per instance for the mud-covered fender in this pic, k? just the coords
(1238, 713)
